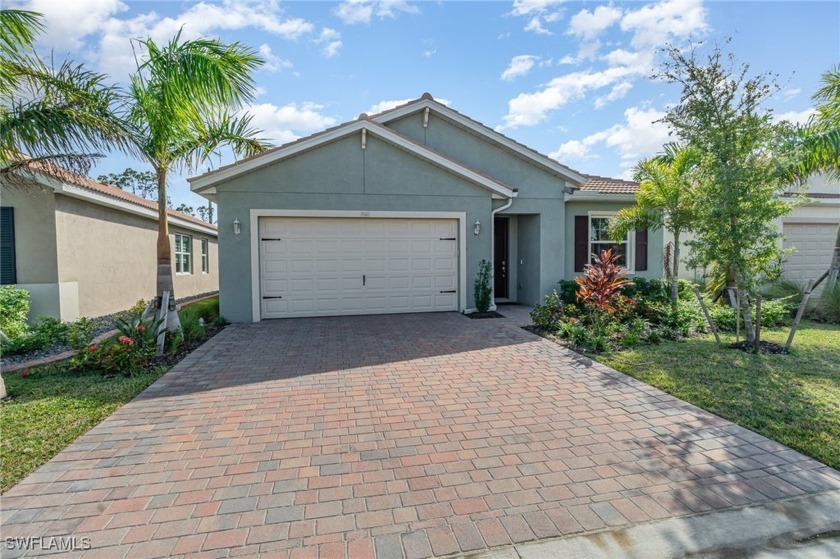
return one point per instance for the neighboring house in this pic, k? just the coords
(83, 248)
(810, 232)
(394, 212)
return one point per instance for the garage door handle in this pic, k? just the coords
(269, 239)
(448, 239)
(364, 280)
(453, 291)
(275, 297)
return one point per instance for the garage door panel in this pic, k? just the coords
(318, 266)
(812, 245)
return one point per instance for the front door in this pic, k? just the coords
(500, 257)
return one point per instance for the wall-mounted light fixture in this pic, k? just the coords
(237, 227)
(476, 227)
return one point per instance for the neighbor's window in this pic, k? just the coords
(183, 254)
(599, 240)
(205, 256)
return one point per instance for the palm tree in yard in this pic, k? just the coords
(65, 115)
(184, 97)
(664, 200)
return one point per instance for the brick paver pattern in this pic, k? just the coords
(391, 436)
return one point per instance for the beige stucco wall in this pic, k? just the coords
(34, 231)
(110, 254)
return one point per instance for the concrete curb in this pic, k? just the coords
(788, 528)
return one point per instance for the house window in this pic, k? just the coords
(183, 254)
(205, 256)
(599, 240)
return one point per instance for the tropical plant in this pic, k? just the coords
(482, 292)
(65, 114)
(184, 100)
(14, 308)
(601, 283)
(742, 155)
(665, 199)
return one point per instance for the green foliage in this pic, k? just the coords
(14, 308)
(140, 183)
(828, 305)
(137, 308)
(773, 314)
(46, 331)
(742, 154)
(567, 291)
(79, 333)
(126, 354)
(788, 290)
(482, 291)
(548, 316)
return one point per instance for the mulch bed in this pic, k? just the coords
(764, 347)
(169, 359)
(488, 314)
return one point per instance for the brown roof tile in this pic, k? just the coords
(606, 185)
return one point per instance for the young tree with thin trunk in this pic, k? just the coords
(665, 200)
(721, 113)
(184, 98)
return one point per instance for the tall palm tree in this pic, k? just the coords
(664, 200)
(65, 114)
(184, 97)
(821, 137)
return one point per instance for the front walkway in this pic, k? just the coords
(394, 436)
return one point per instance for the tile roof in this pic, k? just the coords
(88, 183)
(606, 185)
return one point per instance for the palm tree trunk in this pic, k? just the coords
(164, 255)
(675, 274)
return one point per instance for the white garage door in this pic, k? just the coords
(814, 244)
(346, 266)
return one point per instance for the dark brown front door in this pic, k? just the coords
(500, 257)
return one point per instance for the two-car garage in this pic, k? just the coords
(330, 266)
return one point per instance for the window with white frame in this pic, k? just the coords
(205, 256)
(183, 254)
(599, 240)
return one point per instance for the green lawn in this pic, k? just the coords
(793, 399)
(52, 407)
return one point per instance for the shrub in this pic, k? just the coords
(79, 333)
(548, 316)
(126, 354)
(773, 313)
(828, 305)
(46, 331)
(601, 283)
(482, 291)
(788, 290)
(567, 291)
(14, 308)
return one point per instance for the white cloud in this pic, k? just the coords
(391, 103)
(795, 117)
(790, 93)
(589, 25)
(352, 12)
(538, 12)
(94, 24)
(656, 23)
(273, 63)
(617, 92)
(640, 135)
(286, 123)
(331, 41)
(519, 66)
(649, 27)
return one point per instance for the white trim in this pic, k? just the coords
(191, 253)
(205, 184)
(256, 214)
(542, 160)
(101, 199)
(630, 265)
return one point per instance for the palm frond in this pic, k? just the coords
(18, 29)
(208, 137)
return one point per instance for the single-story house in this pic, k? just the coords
(84, 248)
(394, 213)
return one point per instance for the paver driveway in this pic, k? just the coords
(391, 435)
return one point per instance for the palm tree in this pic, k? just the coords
(64, 115)
(664, 200)
(821, 137)
(183, 100)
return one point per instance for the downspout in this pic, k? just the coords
(493, 243)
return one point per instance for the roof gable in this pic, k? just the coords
(206, 184)
(427, 102)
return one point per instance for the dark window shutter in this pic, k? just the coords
(8, 267)
(581, 242)
(641, 250)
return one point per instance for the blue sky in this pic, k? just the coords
(570, 79)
